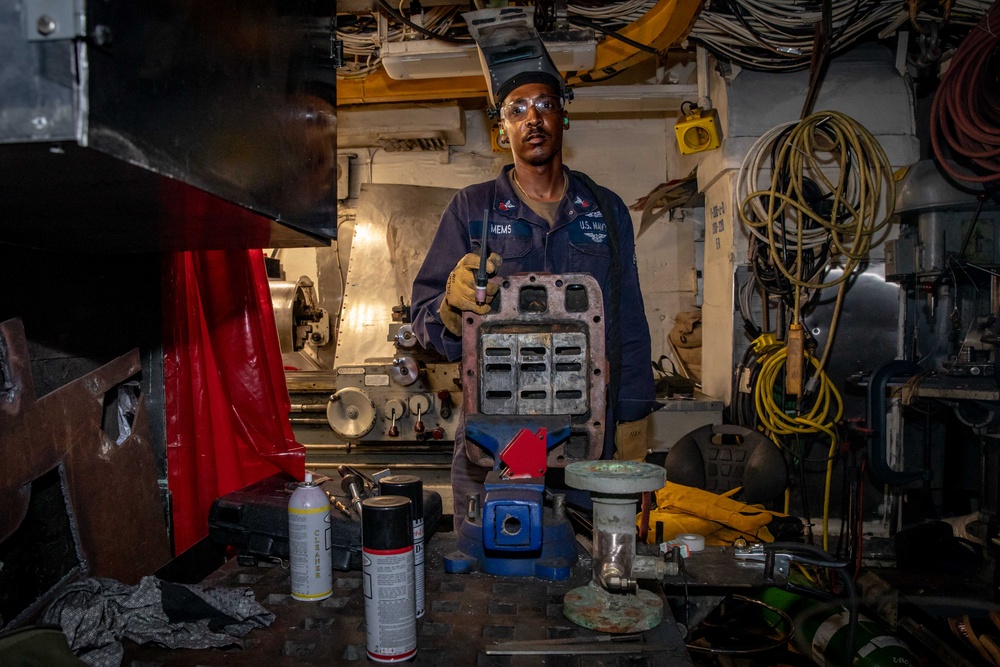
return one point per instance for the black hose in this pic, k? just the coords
(822, 559)
(587, 23)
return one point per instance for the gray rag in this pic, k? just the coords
(96, 614)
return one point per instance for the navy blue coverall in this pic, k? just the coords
(576, 243)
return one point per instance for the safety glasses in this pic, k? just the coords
(517, 110)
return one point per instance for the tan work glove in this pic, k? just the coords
(630, 440)
(460, 291)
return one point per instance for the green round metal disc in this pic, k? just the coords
(615, 477)
(593, 607)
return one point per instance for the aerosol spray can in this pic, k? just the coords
(310, 542)
(387, 564)
(411, 486)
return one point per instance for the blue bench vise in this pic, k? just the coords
(513, 532)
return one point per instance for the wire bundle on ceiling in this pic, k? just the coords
(779, 36)
(361, 51)
(362, 41)
(814, 196)
(963, 14)
(611, 14)
(965, 114)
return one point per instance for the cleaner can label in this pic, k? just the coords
(310, 543)
(390, 611)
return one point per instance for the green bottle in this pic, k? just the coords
(821, 633)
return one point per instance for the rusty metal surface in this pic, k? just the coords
(594, 607)
(111, 489)
(466, 613)
(540, 373)
(545, 338)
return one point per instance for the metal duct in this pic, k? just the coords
(166, 124)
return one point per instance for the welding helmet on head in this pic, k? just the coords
(512, 53)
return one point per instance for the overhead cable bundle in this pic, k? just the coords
(613, 14)
(779, 36)
(363, 39)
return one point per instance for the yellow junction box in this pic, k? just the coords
(699, 131)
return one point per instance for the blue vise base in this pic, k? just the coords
(512, 513)
(517, 536)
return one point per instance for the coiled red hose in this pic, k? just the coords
(965, 115)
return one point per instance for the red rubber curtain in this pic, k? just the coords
(226, 401)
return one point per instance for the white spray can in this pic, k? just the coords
(388, 577)
(310, 542)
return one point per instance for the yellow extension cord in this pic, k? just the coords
(777, 421)
(778, 214)
(801, 153)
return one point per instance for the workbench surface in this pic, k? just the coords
(466, 613)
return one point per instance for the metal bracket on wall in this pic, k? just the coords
(48, 20)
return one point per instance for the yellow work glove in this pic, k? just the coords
(630, 440)
(460, 291)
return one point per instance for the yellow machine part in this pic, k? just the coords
(662, 26)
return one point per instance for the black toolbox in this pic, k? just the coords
(254, 520)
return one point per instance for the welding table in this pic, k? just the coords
(466, 614)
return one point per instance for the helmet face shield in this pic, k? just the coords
(511, 53)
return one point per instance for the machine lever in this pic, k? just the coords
(393, 430)
(418, 426)
(445, 397)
